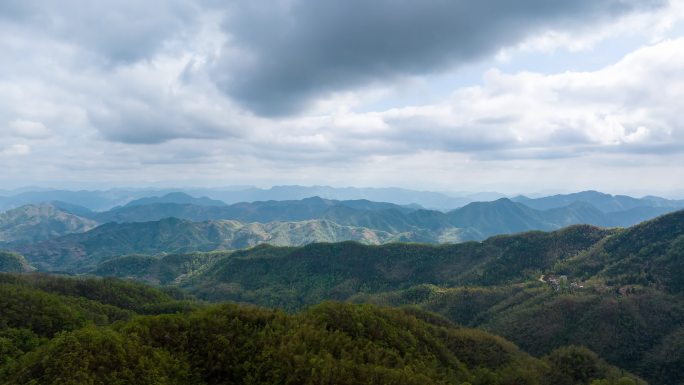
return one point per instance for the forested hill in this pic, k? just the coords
(616, 291)
(294, 277)
(13, 263)
(81, 252)
(311, 220)
(33, 223)
(476, 220)
(73, 331)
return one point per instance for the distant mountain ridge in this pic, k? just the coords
(80, 252)
(604, 202)
(103, 200)
(285, 223)
(176, 197)
(477, 220)
(260, 211)
(33, 223)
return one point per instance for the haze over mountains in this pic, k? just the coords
(102, 200)
(196, 229)
(62, 235)
(617, 291)
(596, 274)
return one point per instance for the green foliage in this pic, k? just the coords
(331, 343)
(294, 277)
(46, 305)
(58, 330)
(665, 362)
(630, 311)
(164, 270)
(649, 254)
(106, 291)
(97, 356)
(572, 365)
(13, 263)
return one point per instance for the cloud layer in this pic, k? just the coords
(288, 92)
(289, 54)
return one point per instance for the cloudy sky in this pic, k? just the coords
(453, 95)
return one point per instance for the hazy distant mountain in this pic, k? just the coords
(604, 202)
(79, 252)
(293, 223)
(93, 200)
(427, 199)
(32, 223)
(475, 221)
(480, 219)
(261, 211)
(499, 217)
(176, 197)
(107, 199)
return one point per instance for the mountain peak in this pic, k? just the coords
(178, 198)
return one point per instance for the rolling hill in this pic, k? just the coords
(621, 296)
(289, 223)
(260, 211)
(34, 223)
(56, 330)
(13, 263)
(80, 252)
(475, 221)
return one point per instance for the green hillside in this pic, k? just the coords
(33, 223)
(74, 331)
(617, 291)
(82, 252)
(13, 263)
(502, 285)
(651, 254)
(295, 277)
(164, 270)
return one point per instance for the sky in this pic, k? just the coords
(449, 95)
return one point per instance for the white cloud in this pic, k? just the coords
(16, 150)
(630, 106)
(653, 24)
(92, 110)
(29, 129)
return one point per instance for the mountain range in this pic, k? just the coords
(604, 202)
(60, 235)
(32, 223)
(102, 200)
(81, 252)
(617, 291)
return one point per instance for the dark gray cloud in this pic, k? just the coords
(285, 54)
(120, 31)
(154, 121)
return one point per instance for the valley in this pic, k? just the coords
(615, 291)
